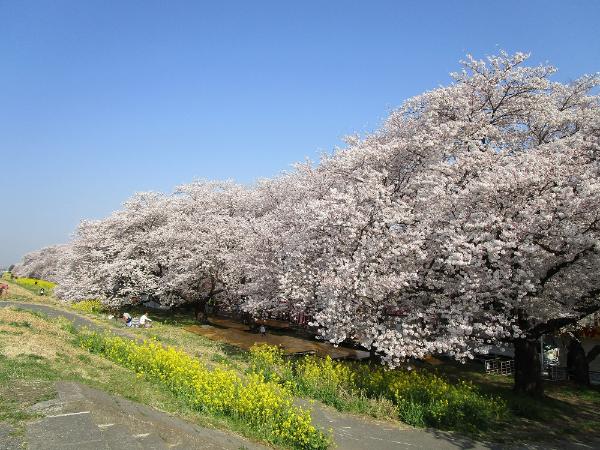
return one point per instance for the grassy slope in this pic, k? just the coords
(36, 351)
(567, 412)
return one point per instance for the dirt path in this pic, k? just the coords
(239, 335)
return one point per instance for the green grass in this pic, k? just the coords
(16, 292)
(420, 398)
(19, 373)
(168, 330)
(34, 285)
(567, 411)
(262, 405)
(24, 381)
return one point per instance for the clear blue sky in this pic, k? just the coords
(100, 99)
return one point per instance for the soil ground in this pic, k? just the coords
(235, 333)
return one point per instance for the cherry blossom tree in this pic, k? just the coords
(465, 222)
(198, 245)
(511, 245)
(115, 259)
(470, 219)
(173, 249)
(41, 264)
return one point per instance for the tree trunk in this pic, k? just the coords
(200, 310)
(593, 353)
(577, 363)
(528, 370)
(374, 356)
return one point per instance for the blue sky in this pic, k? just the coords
(100, 99)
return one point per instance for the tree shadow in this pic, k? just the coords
(568, 414)
(233, 352)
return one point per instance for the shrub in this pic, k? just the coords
(421, 398)
(267, 360)
(323, 378)
(264, 405)
(89, 306)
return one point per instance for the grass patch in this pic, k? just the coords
(24, 381)
(568, 412)
(23, 324)
(89, 307)
(34, 285)
(566, 409)
(169, 331)
(38, 314)
(34, 361)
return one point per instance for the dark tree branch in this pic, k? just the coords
(564, 264)
(593, 353)
(555, 324)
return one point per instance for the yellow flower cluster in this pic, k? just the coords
(34, 285)
(267, 360)
(421, 397)
(89, 306)
(264, 405)
(324, 371)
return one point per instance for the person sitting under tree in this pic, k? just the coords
(145, 321)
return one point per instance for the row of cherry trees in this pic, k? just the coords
(470, 219)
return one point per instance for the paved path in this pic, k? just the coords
(82, 418)
(361, 433)
(51, 311)
(77, 320)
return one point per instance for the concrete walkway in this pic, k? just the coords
(83, 418)
(359, 433)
